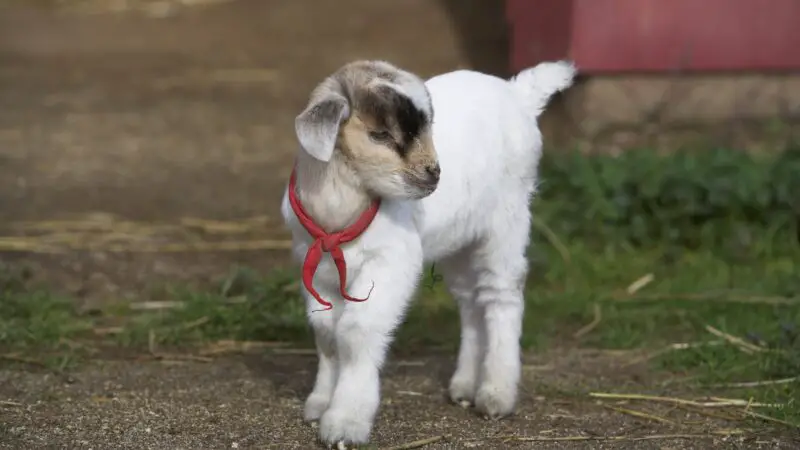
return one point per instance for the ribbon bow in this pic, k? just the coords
(325, 242)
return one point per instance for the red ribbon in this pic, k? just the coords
(328, 242)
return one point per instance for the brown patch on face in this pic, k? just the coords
(418, 166)
(360, 150)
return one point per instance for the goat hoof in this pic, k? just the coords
(315, 407)
(495, 404)
(342, 445)
(338, 428)
(462, 391)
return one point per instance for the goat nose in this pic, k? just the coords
(434, 171)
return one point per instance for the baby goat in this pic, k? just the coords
(414, 172)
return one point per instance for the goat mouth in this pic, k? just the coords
(420, 186)
(424, 189)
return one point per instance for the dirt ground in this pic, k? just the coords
(255, 401)
(190, 115)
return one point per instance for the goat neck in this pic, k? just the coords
(330, 192)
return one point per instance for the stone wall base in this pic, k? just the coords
(758, 112)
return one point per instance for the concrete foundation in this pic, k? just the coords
(611, 114)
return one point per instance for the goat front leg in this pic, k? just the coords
(323, 325)
(461, 280)
(363, 334)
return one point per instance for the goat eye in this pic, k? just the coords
(381, 136)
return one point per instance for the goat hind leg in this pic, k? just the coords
(501, 268)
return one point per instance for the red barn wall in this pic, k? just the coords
(605, 36)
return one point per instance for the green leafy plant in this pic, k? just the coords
(685, 199)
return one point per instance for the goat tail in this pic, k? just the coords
(537, 84)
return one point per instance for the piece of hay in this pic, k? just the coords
(586, 329)
(417, 444)
(738, 342)
(640, 414)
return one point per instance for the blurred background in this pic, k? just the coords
(144, 146)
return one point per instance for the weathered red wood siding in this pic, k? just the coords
(605, 36)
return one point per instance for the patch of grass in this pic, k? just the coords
(34, 318)
(767, 377)
(245, 306)
(36, 326)
(688, 291)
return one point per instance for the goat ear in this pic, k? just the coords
(318, 125)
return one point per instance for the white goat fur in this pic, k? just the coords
(475, 226)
